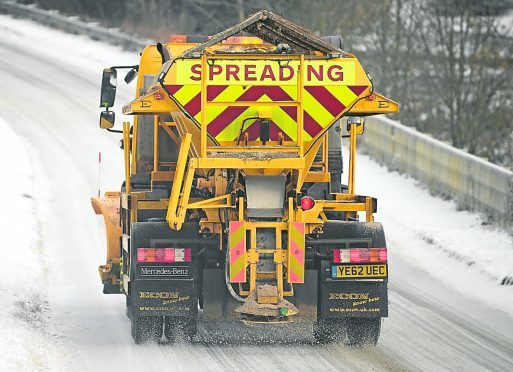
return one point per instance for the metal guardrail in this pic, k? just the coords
(74, 25)
(474, 183)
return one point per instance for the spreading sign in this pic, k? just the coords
(267, 72)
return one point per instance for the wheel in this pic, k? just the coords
(187, 328)
(363, 331)
(180, 327)
(145, 329)
(128, 307)
(170, 329)
(328, 331)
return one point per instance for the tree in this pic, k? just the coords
(447, 62)
(468, 67)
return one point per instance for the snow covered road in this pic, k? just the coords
(447, 310)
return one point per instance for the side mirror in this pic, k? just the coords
(108, 91)
(130, 75)
(107, 119)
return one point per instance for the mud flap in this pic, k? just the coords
(163, 289)
(352, 298)
(340, 299)
(163, 298)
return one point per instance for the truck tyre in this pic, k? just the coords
(328, 331)
(180, 328)
(128, 307)
(188, 327)
(170, 329)
(363, 331)
(146, 329)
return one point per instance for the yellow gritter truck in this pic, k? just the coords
(232, 208)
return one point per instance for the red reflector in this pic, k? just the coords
(164, 254)
(336, 255)
(169, 255)
(187, 255)
(160, 255)
(360, 255)
(307, 203)
(383, 257)
(158, 96)
(242, 40)
(371, 97)
(146, 255)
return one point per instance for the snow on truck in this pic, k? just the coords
(232, 208)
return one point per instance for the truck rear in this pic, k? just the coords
(232, 208)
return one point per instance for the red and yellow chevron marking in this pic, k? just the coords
(296, 253)
(324, 100)
(237, 246)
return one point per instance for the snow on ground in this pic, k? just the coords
(68, 47)
(455, 246)
(24, 308)
(29, 339)
(68, 51)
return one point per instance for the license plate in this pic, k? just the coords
(359, 271)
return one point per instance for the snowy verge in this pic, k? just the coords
(454, 246)
(73, 24)
(473, 182)
(76, 53)
(23, 268)
(67, 50)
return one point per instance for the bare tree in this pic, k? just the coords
(447, 62)
(393, 52)
(468, 67)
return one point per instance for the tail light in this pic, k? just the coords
(178, 39)
(307, 203)
(360, 255)
(164, 254)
